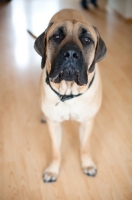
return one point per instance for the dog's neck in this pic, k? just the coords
(68, 90)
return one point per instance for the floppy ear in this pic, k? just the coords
(40, 46)
(99, 52)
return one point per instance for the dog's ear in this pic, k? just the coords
(40, 46)
(99, 52)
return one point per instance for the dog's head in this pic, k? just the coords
(70, 49)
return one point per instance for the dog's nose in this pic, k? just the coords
(71, 55)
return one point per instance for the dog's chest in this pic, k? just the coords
(78, 109)
(63, 111)
(69, 110)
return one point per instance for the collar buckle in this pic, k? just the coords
(59, 101)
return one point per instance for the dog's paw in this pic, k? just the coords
(49, 177)
(90, 171)
(51, 173)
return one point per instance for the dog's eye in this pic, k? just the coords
(87, 39)
(57, 37)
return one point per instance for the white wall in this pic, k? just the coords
(128, 13)
(123, 7)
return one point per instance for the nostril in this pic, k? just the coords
(75, 55)
(71, 54)
(66, 54)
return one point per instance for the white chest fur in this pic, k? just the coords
(79, 108)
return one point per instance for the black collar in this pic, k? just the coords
(66, 97)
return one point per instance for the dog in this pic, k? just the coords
(70, 85)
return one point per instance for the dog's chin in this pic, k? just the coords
(80, 80)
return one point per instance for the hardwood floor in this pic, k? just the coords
(25, 142)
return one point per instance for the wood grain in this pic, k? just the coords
(25, 142)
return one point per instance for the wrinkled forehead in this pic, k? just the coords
(73, 28)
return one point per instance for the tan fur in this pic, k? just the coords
(82, 109)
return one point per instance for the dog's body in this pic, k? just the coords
(70, 48)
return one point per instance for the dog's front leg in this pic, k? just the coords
(52, 171)
(88, 166)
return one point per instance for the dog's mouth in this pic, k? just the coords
(69, 65)
(69, 74)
